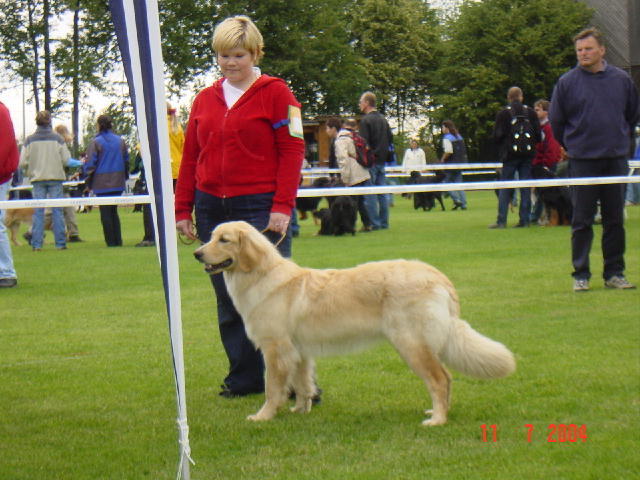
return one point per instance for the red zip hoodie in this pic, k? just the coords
(8, 148)
(247, 149)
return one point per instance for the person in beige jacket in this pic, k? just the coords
(43, 157)
(352, 173)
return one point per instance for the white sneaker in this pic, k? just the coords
(580, 285)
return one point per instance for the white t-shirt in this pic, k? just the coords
(231, 93)
(447, 145)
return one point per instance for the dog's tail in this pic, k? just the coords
(476, 355)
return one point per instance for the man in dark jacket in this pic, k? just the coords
(515, 158)
(594, 109)
(376, 131)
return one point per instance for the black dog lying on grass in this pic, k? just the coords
(553, 198)
(310, 204)
(425, 200)
(339, 218)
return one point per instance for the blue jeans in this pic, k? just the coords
(246, 366)
(521, 166)
(633, 190)
(380, 213)
(48, 189)
(7, 269)
(459, 197)
(366, 204)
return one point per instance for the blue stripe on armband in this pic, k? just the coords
(281, 123)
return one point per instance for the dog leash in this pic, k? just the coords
(281, 237)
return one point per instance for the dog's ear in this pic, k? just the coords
(248, 252)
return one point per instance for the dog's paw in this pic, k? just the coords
(302, 408)
(432, 422)
(258, 417)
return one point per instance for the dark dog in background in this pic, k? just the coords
(310, 204)
(340, 218)
(425, 200)
(555, 199)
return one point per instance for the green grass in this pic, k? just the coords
(87, 386)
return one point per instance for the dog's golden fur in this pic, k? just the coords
(294, 314)
(13, 217)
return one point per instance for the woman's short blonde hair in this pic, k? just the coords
(238, 32)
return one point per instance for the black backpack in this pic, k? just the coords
(522, 137)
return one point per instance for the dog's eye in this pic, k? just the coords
(223, 240)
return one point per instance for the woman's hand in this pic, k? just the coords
(185, 227)
(278, 222)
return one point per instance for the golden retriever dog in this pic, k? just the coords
(13, 218)
(294, 314)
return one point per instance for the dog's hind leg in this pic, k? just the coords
(14, 229)
(303, 385)
(281, 359)
(436, 377)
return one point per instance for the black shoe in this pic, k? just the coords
(457, 206)
(228, 393)
(75, 239)
(521, 225)
(497, 225)
(27, 237)
(8, 282)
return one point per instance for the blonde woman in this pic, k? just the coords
(242, 157)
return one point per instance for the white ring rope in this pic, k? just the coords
(335, 191)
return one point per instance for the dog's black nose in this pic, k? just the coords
(197, 254)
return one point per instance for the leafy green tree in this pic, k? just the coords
(84, 57)
(186, 28)
(493, 45)
(309, 45)
(397, 40)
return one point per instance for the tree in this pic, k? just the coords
(84, 57)
(56, 59)
(309, 45)
(187, 28)
(493, 45)
(397, 40)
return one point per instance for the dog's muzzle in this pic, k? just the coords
(211, 269)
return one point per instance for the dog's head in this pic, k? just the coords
(415, 175)
(233, 245)
(321, 182)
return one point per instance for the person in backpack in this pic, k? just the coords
(352, 173)
(375, 129)
(516, 133)
(454, 151)
(594, 109)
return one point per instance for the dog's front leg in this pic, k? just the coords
(280, 359)
(304, 385)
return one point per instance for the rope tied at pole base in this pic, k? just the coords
(185, 449)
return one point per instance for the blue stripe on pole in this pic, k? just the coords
(149, 106)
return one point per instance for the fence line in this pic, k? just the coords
(335, 191)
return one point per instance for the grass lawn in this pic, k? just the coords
(87, 386)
